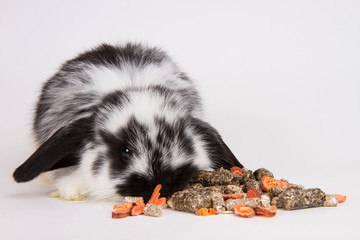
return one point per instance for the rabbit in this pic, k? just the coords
(116, 121)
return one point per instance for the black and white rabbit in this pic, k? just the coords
(117, 121)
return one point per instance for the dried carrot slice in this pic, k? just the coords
(117, 215)
(161, 201)
(155, 197)
(124, 207)
(340, 198)
(155, 194)
(268, 182)
(138, 209)
(243, 211)
(202, 212)
(122, 211)
(232, 196)
(283, 184)
(206, 212)
(265, 211)
(253, 193)
(237, 171)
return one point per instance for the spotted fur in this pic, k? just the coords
(118, 120)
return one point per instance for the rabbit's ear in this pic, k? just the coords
(218, 152)
(62, 149)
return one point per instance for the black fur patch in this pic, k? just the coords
(218, 152)
(98, 163)
(131, 137)
(174, 134)
(172, 180)
(62, 149)
(114, 99)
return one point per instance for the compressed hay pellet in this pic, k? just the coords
(196, 186)
(252, 184)
(190, 201)
(153, 210)
(276, 202)
(202, 177)
(259, 173)
(264, 200)
(218, 202)
(247, 175)
(276, 191)
(295, 186)
(248, 202)
(219, 176)
(210, 189)
(330, 201)
(132, 199)
(293, 199)
(233, 189)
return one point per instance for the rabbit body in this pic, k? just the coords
(118, 120)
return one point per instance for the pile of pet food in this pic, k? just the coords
(238, 191)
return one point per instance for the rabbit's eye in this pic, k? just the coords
(125, 153)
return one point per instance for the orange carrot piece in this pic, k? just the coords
(155, 194)
(138, 209)
(161, 201)
(340, 198)
(243, 211)
(202, 212)
(283, 184)
(206, 212)
(253, 193)
(268, 182)
(122, 211)
(265, 211)
(140, 202)
(117, 215)
(155, 197)
(237, 171)
(232, 196)
(124, 207)
(239, 206)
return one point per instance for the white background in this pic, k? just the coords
(280, 80)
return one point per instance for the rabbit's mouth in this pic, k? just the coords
(171, 181)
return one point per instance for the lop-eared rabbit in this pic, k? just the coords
(118, 120)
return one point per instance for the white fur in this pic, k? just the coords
(77, 182)
(202, 159)
(106, 79)
(144, 107)
(94, 82)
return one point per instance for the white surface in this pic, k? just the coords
(280, 81)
